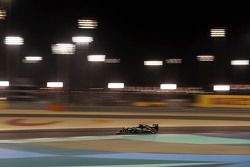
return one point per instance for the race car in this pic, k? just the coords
(140, 129)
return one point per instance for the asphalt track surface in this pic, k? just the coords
(70, 158)
(45, 133)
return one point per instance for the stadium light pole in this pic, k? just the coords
(32, 68)
(153, 70)
(205, 69)
(240, 69)
(79, 63)
(13, 44)
(96, 70)
(219, 37)
(63, 51)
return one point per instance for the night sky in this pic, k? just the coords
(134, 32)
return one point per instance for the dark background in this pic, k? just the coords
(134, 32)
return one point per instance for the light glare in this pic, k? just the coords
(54, 84)
(82, 39)
(13, 40)
(239, 62)
(87, 24)
(168, 86)
(4, 84)
(218, 32)
(112, 61)
(173, 61)
(205, 58)
(3, 14)
(221, 87)
(32, 59)
(153, 63)
(63, 49)
(96, 58)
(115, 85)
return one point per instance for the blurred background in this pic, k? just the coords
(91, 53)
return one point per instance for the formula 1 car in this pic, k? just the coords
(140, 129)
